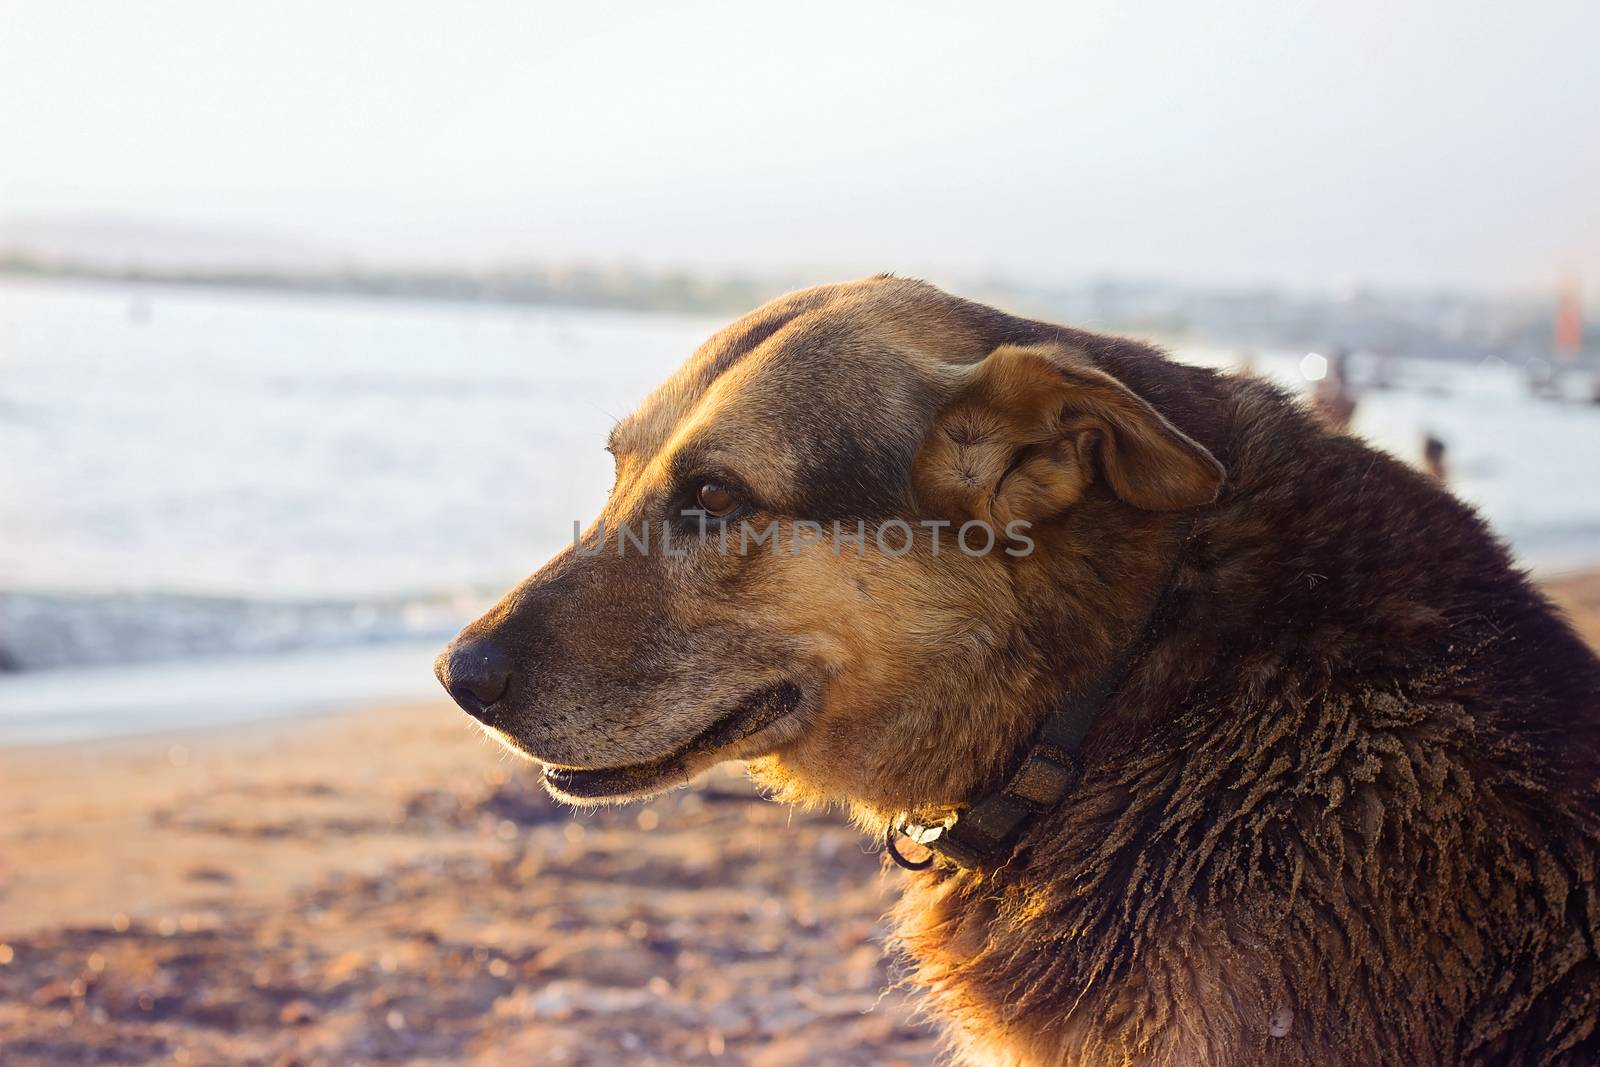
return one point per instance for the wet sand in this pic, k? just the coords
(388, 887)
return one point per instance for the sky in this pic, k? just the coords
(1303, 145)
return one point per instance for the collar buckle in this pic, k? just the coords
(981, 835)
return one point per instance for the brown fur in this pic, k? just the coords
(1345, 808)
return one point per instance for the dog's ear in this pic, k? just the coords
(1029, 428)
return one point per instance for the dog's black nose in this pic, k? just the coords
(476, 674)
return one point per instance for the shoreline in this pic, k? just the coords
(102, 701)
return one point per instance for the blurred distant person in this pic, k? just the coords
(1541, 378)
(1433, 458)
(1333, 400)
(1383, 377)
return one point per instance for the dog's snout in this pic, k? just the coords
(475, 673)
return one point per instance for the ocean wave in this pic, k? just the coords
(43, 631)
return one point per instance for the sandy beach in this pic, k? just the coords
(385, 886)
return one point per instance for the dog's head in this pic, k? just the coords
(826, 551)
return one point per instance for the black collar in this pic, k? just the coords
(983, 833)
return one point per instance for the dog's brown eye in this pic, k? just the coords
(715, 499)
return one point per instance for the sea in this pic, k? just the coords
(219, 505)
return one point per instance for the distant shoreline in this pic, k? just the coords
(1442, 325)
(677, 291)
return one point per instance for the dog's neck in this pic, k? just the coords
(983, 832)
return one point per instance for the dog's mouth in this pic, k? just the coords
(755, 713)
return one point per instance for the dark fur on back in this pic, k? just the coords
(1346, 810)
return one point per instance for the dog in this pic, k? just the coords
(1214, 736)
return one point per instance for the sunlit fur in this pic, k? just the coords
(1344, 810)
